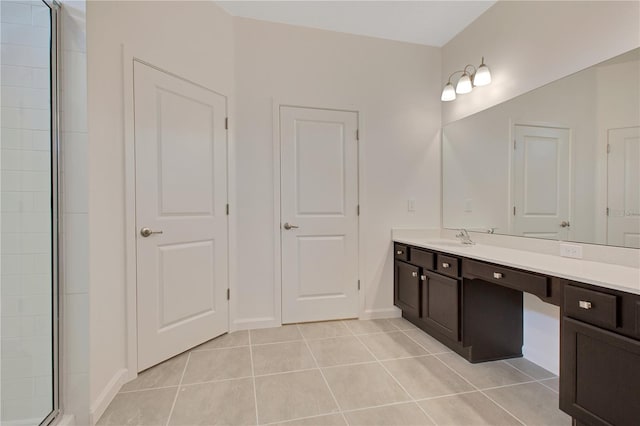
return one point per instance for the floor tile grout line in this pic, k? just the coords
(517, 369)
(147, 389)
(548, 387)
(396, 380)
(480, 390)
(206, 382)
(423, 347)
(326, 382)
(253, 379)
(175, 398)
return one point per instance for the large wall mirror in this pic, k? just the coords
(560, 162)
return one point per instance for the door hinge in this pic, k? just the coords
(358, 285)
(226, 123)
(607, 211)
(357, 134)
(228, 294)
(358, 209)
(227, 209)
(514, 144)
(514, 210)
(608, 148)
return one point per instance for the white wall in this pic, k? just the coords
(26, 385)
(74, 373)
(395, 88)
(191, 39)
(527, 45)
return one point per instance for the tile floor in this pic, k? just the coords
(377, 372)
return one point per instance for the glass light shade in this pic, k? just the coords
(482, 77)
(448, 93)
(464, 84)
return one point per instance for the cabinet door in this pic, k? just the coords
(407, 288)
(599, 375)
(441, 304)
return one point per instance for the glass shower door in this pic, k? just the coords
(28, 213)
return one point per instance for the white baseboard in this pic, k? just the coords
(251, 323)
(109, 392)
(381, 313)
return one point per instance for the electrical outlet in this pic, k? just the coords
(411, 205)
(468, 205)
(570, 250)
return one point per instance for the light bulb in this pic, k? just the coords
(483, 75)
(464, 84)
(448, 93)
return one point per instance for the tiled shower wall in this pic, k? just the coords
(25, 204)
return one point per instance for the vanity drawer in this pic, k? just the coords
(423, 258)
(518, 280)
(401, 252)
(591, 306)
(448, 265)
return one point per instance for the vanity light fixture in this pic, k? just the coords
(470, 78)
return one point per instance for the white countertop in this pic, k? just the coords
(606, 275)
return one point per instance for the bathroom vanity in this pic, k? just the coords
(471, 299)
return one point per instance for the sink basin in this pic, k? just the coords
(448, 243)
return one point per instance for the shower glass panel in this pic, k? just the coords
(28, 213)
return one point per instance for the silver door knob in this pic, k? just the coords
(565, 224)
(288, 226)
(146, 232)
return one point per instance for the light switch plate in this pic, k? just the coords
(411, 205)
(571, 250)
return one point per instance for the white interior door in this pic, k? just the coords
(319, 199)
(541, 182)
(181, 193)
(623, 187)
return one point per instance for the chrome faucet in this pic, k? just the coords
(464, 237)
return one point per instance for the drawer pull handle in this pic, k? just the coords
(414, 274)
(445, 265)
(399, 252)
(423, 277)
(584, 304)
(497, 275)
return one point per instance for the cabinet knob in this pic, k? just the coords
(584, 304)
(399, 252)
(497, 275)
(445, 265)
(414, 274)
(423, 277)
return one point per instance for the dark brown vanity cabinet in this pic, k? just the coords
(475, 308)
(428, 298)
(599, 375)
(600, 356)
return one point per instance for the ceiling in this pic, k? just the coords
(432, 23)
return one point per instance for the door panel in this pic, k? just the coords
(623, 192)
(319, 196)
(541, 182)
(320, 168)
(181, 191)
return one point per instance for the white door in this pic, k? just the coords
(541, 182)
(181, 193)
(319, 200)
(623, 192)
